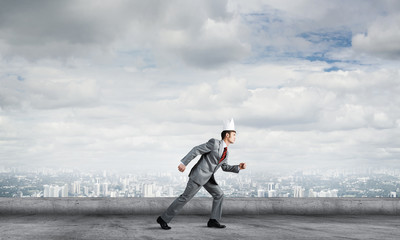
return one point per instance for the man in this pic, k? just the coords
(214, 154)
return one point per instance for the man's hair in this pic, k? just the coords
(223, 134)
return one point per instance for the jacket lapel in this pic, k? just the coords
(220, 152)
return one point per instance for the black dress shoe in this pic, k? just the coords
(214, 223)
(163, 224)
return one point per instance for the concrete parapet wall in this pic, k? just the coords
(235, 206)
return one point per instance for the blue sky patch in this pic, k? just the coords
(332, 69)
(340, 39)
(320, 56)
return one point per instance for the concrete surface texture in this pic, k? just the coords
(239, 206)
(194, 227)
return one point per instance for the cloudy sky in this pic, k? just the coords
(136, 84)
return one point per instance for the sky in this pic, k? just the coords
(135, 85)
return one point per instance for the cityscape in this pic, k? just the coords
(45, 182)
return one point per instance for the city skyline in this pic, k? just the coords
(311, 183)
(136, 84)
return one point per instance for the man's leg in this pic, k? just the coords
(218, 198)
(176, 206)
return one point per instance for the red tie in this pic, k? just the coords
(223, 155)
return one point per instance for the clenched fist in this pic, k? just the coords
(181, 167)
(242, 166)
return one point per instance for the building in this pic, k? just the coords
(64, 191)
(298, 192)
(323, 194)
(54, 191)
(272, 193)
(260, 193)
(46, 191)
(97, 189)
(125, 184)
(76, 188)
(334, 193)
(271, 186)
(113, 194)
(148, 190)
(86, 191)
(311, 193)
(328, 193)
(104, 189)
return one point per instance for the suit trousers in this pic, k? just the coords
(191, 189)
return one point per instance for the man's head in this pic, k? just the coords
(228, 136)
(228, 133)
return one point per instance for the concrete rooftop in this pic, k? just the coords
(246, 218)
(194, 227)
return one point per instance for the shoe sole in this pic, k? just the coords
(216, 227)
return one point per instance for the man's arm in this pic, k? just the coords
(198, 150)
(230, 168)
(233, 168)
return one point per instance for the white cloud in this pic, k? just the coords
(269, 107)
(105, 84)
(381, 39)
(46, 87)
(202, 33)
(217, 43)
(232, 91)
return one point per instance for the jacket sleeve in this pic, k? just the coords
(198, 150)
(230, 168)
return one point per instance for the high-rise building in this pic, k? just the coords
(298, 192)
(86, 191)
(46, 191)
(97, 189)
(272, 193)
(64, 191)
(77, 188)
(125, 184)
(104, 189)
(54, 191)
(113, 194)
(271, 186)
(148, 190)
(260, 193)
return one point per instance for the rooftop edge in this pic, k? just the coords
(201, 205)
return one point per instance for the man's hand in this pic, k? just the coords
(181, 167)
(242, 166)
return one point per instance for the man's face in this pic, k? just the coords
(231, 137)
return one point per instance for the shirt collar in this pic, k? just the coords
(224, 144)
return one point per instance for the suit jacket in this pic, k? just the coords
(208, 164)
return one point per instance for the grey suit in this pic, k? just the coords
(202, 175)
